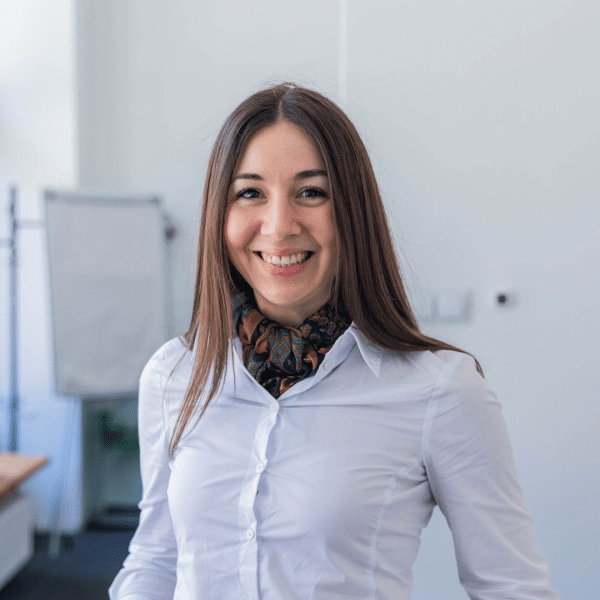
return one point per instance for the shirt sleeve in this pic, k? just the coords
(472, 475)
(149, 571)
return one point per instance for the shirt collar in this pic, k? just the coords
(371, 352)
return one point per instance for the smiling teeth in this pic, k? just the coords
(285, 261)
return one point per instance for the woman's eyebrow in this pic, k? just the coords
(254, 176)
(301, 175)
(311, 173)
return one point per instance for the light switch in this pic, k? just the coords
(452, 306)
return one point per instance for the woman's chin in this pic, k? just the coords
(286, 309)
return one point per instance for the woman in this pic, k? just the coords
(296, 441)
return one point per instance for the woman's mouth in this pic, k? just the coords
(285, 261)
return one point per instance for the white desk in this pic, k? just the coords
(16, 512)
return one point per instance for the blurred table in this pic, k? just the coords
(16, 468)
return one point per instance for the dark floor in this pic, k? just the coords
(84, 570)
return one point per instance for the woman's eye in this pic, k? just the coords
(248, 193)
(313, 192)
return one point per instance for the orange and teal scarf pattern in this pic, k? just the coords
(278, 356)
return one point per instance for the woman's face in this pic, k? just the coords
(279, 226)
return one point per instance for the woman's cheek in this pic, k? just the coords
(234, 230)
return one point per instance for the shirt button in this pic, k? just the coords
(260, 468)
(250, 534)
(274, 407)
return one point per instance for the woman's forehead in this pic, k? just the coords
(283, 146)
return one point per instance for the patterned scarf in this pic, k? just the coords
(277, 356)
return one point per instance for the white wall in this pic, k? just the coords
(38, 148)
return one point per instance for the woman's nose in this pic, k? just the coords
(280, 219)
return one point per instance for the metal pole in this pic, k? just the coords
(14, 384)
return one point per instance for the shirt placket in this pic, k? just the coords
(247, 517)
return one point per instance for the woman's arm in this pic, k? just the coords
(472, 475)
(149, 572)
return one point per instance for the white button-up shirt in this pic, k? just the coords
(323, 494)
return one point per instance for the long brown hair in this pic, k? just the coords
(368, 283)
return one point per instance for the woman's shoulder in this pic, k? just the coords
(456, 383)
(440, 361)
(438, 368)
(172, 359)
